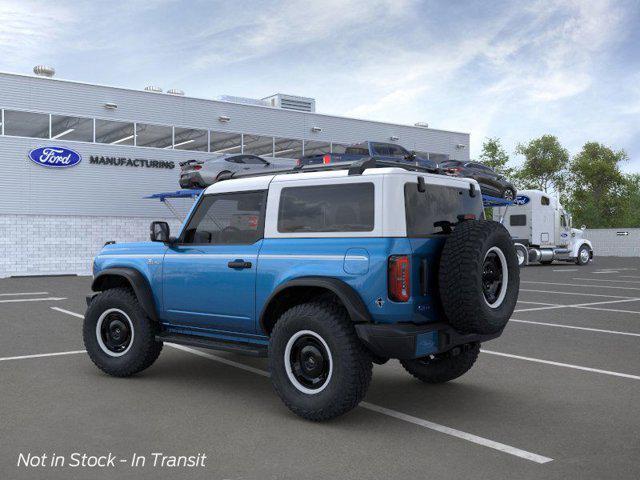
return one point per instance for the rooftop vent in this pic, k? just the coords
(292, 102)
(152, 88)
(175, 91)
(422, 124)
(44, 71)
(244, 100)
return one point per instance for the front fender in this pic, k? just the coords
(578, 244)
(111, 277)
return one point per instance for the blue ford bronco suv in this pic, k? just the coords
(323, 270)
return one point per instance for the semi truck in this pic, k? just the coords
(542, 230)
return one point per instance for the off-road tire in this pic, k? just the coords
(445, 366)
(144, 348)
(351, 363)
(460, 277)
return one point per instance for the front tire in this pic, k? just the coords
(319, 367)
(119, 337)
(445, 366)
(584, 255)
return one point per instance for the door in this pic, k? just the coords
(209, 275)
(564, 230)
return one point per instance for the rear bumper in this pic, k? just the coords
(407, 340)
(191, 179)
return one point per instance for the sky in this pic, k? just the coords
(514, 70)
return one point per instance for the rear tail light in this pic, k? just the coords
(197, 167)
(298, 162)
(399, 283)
(326, 159)
(452, 171)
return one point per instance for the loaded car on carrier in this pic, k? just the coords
(325, 270)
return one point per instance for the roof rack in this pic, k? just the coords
(354, 168)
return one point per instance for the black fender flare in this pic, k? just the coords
(346, 294)
(105, 279)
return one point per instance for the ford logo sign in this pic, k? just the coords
(564, 235)
(56, 157)
(521, 200)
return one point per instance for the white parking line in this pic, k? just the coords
(41, 355)
(573, 327)
(62, 310)
(608, 309)
(628, 276)
(540, 303)
(23, 293)
(579, 305)
(576, 293)
(485, 442)
(47, 299)
(578, 285)
(604, 280)
(560, 364)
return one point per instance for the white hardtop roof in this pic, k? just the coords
(261, 182)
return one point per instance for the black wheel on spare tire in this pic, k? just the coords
(479, 277)
(319, 367)
(119, 337)
(445, 366)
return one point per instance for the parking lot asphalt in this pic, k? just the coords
(555, 397)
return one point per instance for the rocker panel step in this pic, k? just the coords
(204, 342)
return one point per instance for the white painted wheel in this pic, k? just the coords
(308, 362)
(495, 277)
(114, 332)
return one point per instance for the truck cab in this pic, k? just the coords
(542, 230)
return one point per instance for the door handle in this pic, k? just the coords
(239, 264)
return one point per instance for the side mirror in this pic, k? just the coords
(159, 232)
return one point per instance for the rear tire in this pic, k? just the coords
(319, 367)
(444, 366)
(119, 337)
(479, 277)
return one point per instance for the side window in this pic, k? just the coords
(227, 219)
(517, 220)
(327, 208)
(563, 221)
(251, 160)
(397, 151)
(380, 149)
(544, 200)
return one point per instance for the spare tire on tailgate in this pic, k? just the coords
(479, 277)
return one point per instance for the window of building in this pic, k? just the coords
(71, 128)
(158, 136)
(518, 220)
(287, 148)
(327, 208)
(26, 124)
(191, 139)
(312, 147)
(114, 133)
(225, 142)
(227, 219)
(258, 145)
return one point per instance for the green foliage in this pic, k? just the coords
(598, 193)
(545, 164)
(495, 156)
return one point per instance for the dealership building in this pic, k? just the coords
(127, 145)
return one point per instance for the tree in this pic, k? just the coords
(545, 164)
(599, 191)
(494, 155)
(631, 216)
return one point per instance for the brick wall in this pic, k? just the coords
(612, 242)
(53, 245)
